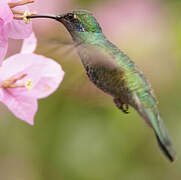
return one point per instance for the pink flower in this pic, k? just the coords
(26, 77)
(11, 27)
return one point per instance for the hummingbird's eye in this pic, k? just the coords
(70, 16)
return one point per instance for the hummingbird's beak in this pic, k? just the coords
(51, 16)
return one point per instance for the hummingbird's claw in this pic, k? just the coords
(125, 108)
(122, 106)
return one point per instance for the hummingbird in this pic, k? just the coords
(112, 71)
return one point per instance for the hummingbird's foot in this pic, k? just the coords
(123, 106)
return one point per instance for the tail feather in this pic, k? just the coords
(171, 156)
(163, 138)
(152, 117)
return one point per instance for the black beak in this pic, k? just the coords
(56, 17)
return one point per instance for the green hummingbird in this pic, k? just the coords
(114, 72)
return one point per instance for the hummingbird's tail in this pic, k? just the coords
(152, 117)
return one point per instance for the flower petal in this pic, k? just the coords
(3, 50)
(3, 41)
(29, 44)
(5, 12)
(44, 74)
(22, 107)
(49, 77)
(22, 64)
(17, 29)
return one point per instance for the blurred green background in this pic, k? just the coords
(79, 134)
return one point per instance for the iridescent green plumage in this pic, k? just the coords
(113, 72)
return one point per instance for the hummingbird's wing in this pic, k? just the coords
(97, 56)
(57, 47)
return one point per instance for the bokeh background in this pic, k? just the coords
(79, 134)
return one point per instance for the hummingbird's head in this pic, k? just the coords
(80, 21)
